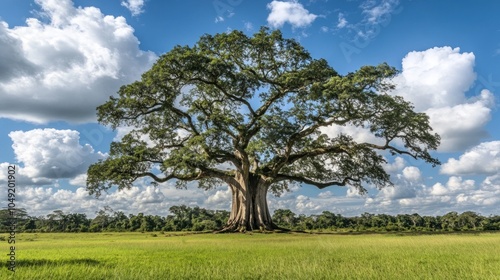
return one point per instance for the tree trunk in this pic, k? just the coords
(249, 209)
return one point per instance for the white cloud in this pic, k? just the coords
(479, 198)
(406, 181)
(352, 192)
(134, 6)
(454, 186)
(436, 78)
(305, 205)
(376, 12)
(79, 180)
(482, 159)
(398, 164)
(63, 67)
(492, 183)
(221, 199)
(412, 173)
(52, 154)
(326, 194)
(435, 81)
(438, 189)
(462, 125)
(248, 26)
(342, 21)
(359, 134)
(22, 178)
(140, 198)
(289, 11)
(150, 195)
(12, 62)
(389, 194)
(456, 194)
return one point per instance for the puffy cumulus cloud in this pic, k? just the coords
(483, 198)
(453, 186)
(352, 192)
(397, 192)
(456, 194)
(150, 195)
(62, 66)
(327, 194)
(79, 180)
(221, 199)
(412, 173)
(12, 61)
(359, 134)
(406, 185)
(481, 159)
(437, 77)
(462, 125)
(436, 81)
(409, 195)
(22, 178)
(43, 201)
(52, 154)
(492, 183)
(139, 198)
(305, 205)
(468, 195)
(289, 11)
(134, 6)
(398, 164)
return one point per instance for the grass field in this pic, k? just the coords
(253, 256)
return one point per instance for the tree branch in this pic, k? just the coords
(187, 116)
(391, 148)
(227, 94)
(319, 185)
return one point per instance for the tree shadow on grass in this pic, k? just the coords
(46, 262)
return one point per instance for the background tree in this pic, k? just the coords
(450, 221)
(284, 217)
(8, 215)
(102, 219)
(248, 112)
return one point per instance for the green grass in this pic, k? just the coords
(253, 256)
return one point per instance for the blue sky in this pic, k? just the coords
(59, 59)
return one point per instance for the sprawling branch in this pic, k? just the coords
(320, 185)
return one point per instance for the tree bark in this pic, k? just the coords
(249, 209)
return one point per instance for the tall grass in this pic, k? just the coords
(254, 256)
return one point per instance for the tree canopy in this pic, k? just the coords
(249, 112)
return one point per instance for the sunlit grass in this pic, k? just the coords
(256, 256)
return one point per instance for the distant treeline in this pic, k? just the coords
(184, 218)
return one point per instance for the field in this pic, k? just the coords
(253, 256)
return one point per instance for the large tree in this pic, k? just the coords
(251, 112)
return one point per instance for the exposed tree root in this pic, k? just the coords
(238, 228)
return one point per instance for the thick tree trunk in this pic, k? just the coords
(249, 210)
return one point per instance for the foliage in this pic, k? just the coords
(234, 106)
(184, 218)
